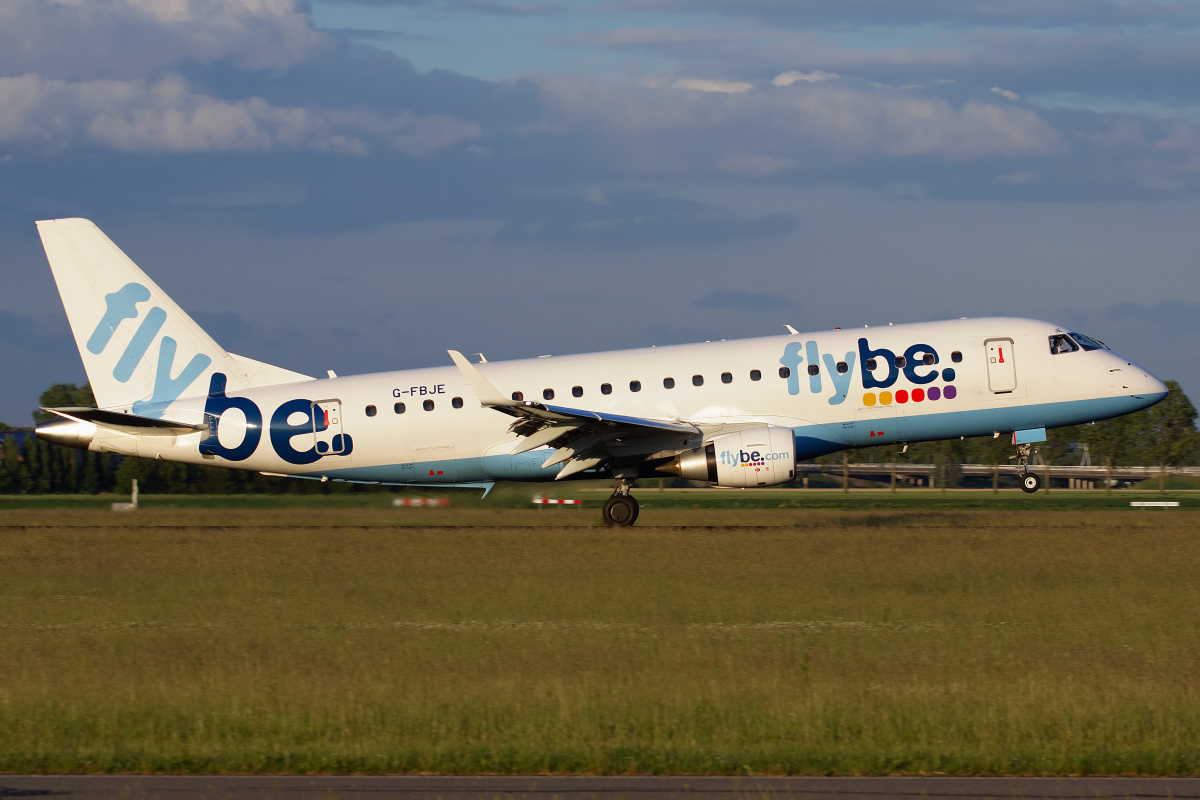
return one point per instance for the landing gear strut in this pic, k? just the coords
(620, 510)
(1030, 482)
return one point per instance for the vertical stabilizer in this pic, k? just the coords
(140, 350)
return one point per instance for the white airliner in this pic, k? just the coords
(732, 413)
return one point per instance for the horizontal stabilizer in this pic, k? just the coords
(127, 423)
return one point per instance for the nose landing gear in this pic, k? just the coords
(1030, 482)
(620, 510)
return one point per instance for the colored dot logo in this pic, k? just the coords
(903, 396)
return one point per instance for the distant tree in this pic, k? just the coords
(64, 395)
(1169, 429)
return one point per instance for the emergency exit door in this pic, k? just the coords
(1002, 370)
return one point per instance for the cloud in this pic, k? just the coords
(794, 76)
(715, 86)
(746, 301)
(634, 219)
(73, 39)
(801, 122)
(167, 116)
(874, 13)
(1005, 93)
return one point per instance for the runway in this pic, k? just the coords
(136, 787)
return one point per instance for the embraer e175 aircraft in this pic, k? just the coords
(735, 414)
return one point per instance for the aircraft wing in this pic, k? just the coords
(584, 439)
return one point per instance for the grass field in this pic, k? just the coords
(856, 638)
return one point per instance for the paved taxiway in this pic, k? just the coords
(136, 787)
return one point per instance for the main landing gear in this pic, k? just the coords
(1030, 482)
(620, 510)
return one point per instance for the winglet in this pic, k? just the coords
(487, 394)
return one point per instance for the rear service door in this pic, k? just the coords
(1001, 364)
(327, 427)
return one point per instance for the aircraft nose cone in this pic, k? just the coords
(1153, 387)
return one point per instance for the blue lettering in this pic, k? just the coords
(841, 381)
(868, 379)
(911, 362)
(282, 432)
(121, 305)
(814, 381)
(792, 360)
(166, 388)
(139, 344)
(216, 405)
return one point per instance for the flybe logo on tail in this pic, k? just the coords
(122, 305)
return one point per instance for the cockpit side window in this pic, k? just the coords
(1087, 342)
(1061, 343)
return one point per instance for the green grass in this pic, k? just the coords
(821, 640)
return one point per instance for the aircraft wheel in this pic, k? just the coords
(620, 511)
(1030, 483)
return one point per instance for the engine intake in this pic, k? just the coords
(757, 457)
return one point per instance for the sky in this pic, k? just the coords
(360, 185)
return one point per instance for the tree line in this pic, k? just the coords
(1163, 435)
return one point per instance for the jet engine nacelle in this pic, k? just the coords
(757, 457)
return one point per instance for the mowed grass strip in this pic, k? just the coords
(972, 642)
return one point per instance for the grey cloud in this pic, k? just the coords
(746, 301)
(482, 7)
(168, 116)
(125, 39)
(1026, 13)
(634, 219)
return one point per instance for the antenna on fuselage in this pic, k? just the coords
(791, 330)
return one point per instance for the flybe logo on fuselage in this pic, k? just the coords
(122, 305)
(879, 368)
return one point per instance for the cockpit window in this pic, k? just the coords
(1061, 343)
(1087, 342)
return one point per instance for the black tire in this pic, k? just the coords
(1030, 483)
(620, 511)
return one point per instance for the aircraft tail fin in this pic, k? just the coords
(141, 351)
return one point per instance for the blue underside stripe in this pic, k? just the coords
(811, 440)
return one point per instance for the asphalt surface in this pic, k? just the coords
(135, 787)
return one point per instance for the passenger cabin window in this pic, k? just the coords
(726, 377)
(785, 372)
(1087, 342)
(429, 405)
(370, 411)
(577, 391)
(635, 386)
(813, 369)
(928, 359)
(606, 388)
(456, 402)
(518, 396)
(697, 380)
(956, 356)
(547, 394)
(901, 361)
(755, 375)
(668, 383)
(1061, 343)
(398, 408)
(870, 364)
(843, 367)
